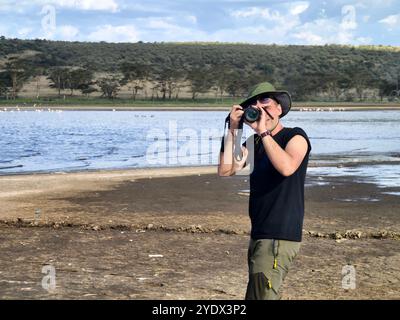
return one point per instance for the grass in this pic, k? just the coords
(117, 102)
(173, 103)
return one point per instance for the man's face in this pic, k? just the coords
(273, 108)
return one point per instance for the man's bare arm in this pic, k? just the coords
(229, 164)
(286, 161)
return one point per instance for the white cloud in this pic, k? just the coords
(103, 5)
(364, 40)
(269, 26)
(157, 23)
(24, 32)
(6, 5)
(391, 21)
(67, 32)
(168, 29)
(122, 33)
(287, 27)
(256, 12)
(191, 19)
(136, 6)
(309, 37)
(297, 8)
(4, 31)
(62, 32)
(323, 31)
(368, 4)
(253, 34)
(366, 18)
(293, 9)
(86, 5)
(281, 22)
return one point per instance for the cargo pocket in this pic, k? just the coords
(288, 251)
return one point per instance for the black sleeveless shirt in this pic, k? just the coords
(276, 204)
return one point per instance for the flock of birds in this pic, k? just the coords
(34, 108)
(322, 109)
(39, 109)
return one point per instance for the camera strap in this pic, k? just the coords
(227, 122)
(223, 135)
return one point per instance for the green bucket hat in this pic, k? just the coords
(283, 97)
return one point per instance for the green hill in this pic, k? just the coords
(330, 72)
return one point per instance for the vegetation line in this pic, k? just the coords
(338, 236)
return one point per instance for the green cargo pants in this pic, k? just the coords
(269, 261)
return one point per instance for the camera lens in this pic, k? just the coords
(251, 114)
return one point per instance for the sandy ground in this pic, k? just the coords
(100, 231)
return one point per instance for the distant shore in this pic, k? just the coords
(187, 106)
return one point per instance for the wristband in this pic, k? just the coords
(265, 133)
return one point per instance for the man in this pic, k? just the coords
(276, 203)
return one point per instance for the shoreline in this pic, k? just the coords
(298, 107)
(140, 172)
(191, 168)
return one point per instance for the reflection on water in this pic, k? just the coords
(394, 193)
(385, 176)
(361, 199)
(82, 140)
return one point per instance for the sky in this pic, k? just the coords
(353, 22)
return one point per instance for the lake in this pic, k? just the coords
(53, 141)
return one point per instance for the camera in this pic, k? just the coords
(251, 114)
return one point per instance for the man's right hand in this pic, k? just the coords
(235, 116)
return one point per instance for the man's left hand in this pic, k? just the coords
(260, 125)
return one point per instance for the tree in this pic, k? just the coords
(161, 84)
(168, 80)
(333, 83)
(109, 86)
(200, 81)
(221, 74)
(388, 86)
(88, 90)
(237, 84)
(336, 84)
(19, 69)
(39, 72)
(174, 80)
(302, 86)
(136, 75)
(5, 84)
(265, 71)
(361, 76)
(79, 79)
(58, 77)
